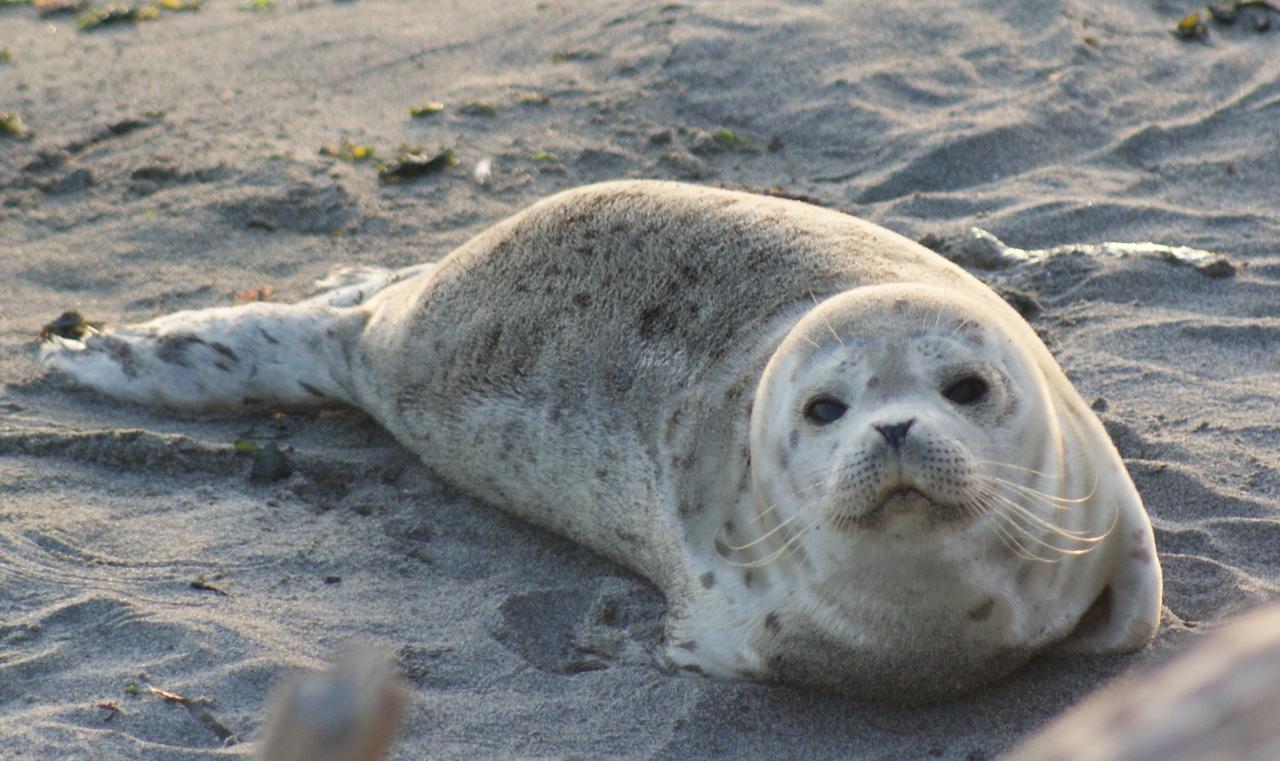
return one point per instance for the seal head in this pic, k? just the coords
(910, 468)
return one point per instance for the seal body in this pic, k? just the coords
(844, 460)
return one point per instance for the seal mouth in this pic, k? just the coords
(901, 499)
(901, 496)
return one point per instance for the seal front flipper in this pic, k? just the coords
(1126, 615)
(231, 358)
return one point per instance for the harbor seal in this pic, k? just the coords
(843, 460)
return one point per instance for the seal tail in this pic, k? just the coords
(227, 358)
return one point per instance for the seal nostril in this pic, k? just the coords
(897, 433)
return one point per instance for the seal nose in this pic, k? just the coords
(897, 433)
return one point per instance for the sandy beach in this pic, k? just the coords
(183, 161)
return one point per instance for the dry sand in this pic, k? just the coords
(175, 162)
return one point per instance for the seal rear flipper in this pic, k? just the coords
(230, 358)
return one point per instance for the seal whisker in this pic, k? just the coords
(1014, 544)
(1031, 491)
(1032, 518)
(834, 334)
(1020, 469)
(789, 546)
(1013, 523)
(796, 493)
(1009, 529)
(1010, 540)
(1048, 500)
(763, 537)
(1079, 536)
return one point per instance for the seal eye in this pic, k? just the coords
(968, 390)
(823, 410)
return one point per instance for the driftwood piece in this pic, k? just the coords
(347, 713)
(1218, 702)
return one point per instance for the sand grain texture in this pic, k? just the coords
(176, 162)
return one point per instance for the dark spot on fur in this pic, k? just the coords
(267, 337)
(728, 527)
(873, 381)
(173, 348)
(630, 538)
(223, 366)
(582, 299)
(672, 422)
(688, 644)
(722, 549)
(601, 473)
(584, 251)
(794, 438)
(747, 577)
(123, 354)
(310, 389)
(783, 459)
(900, 305)
(225, 351)
(982, 612)
(511, 434)
(491, 341)
(653, 322)
(772, 623)
(708, 580)
(687, 510)
(693, 668)
(733, 393)
(1141, 555)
